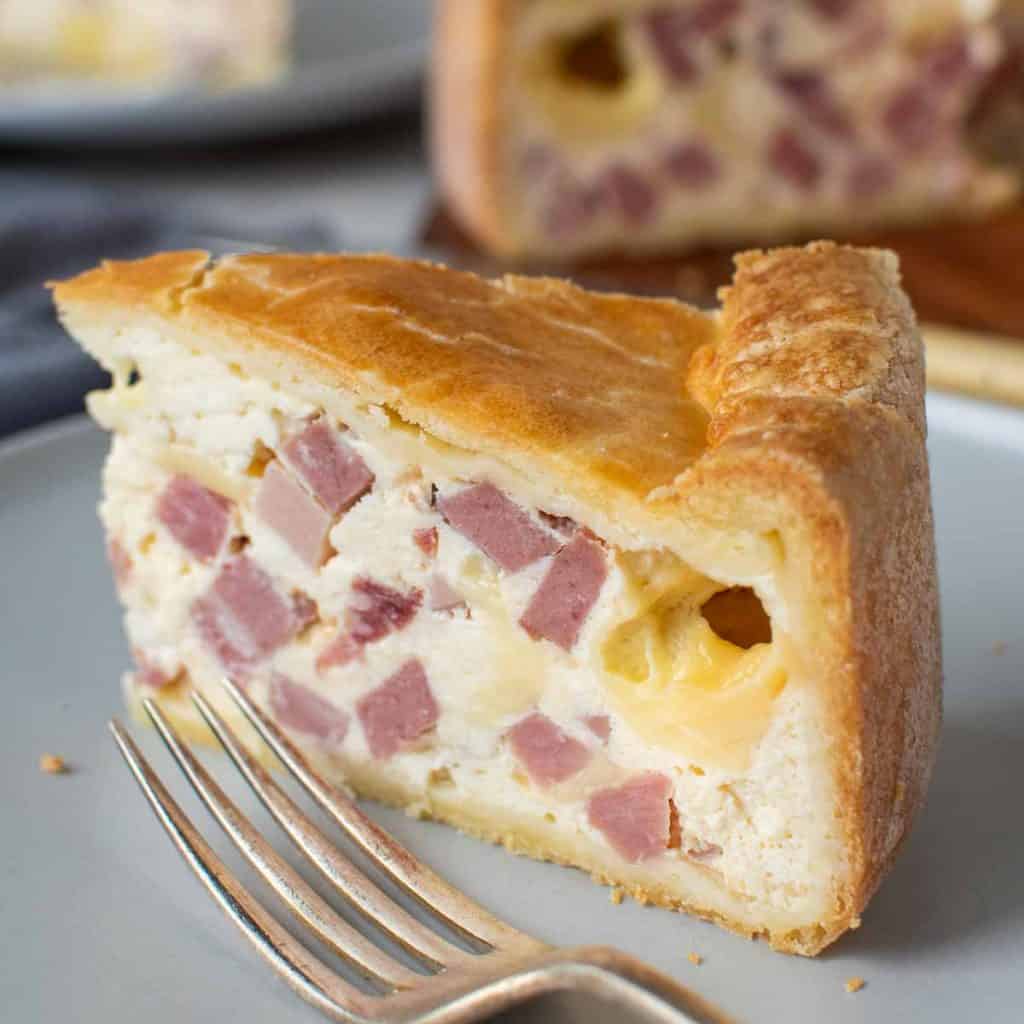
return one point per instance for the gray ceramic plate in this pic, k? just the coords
(102, 923)
(351, 58)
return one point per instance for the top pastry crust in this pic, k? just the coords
(795, 414)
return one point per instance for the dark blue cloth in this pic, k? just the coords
(50, 231)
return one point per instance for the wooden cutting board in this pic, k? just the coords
(966, 282)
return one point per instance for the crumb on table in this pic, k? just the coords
(51, 764)
(617, 894)
(854, 984)
(696, 959)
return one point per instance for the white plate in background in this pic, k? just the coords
(352, 58)
(104, 924)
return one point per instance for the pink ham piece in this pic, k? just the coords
(809, 93)
(634, 817)
(545, 751)
(300, 708)
(673, 34)
(374, 611)
(500, 528)
(692, 165)
(912, 117)
(243, 618)
(426, 540)
(194, 516)
(599, 725)
(562, 602)
(120, 562)
(869, 176)
(570, 209)
(399, 711)
(794, 161)
(712, 16)
(834, 10)
(625, 191)
(294, 514)
(330, 468)
(442, 596)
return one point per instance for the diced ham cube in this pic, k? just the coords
(562, 602)
(669, 33)
(330, 468)
(911, 117)
(243, 618)
(442, 596)
(628, 193)
(599, 725)
(569, 209)
(399, 711)
(120, 562)
(300, 708)
(377, 610)
(294, 514)
(950, 61)
(374, 611)
(194, 516)
(496, 525)
(426, 540)
(809, 92)
(834, 10)
(547, 753)
(869, 176)
(692, 165)
(711, 16)
(794, 161)
(673, 34)
(634, 817)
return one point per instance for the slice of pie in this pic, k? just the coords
(612, 581)
(567, 128)
(155, 43)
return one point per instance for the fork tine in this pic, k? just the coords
(376, 905)
(414, 877)
(289, 885)
(288, 957)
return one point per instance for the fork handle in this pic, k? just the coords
(621, 979)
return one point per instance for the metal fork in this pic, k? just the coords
(505, 966)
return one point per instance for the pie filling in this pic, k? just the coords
(691, 112)
(418, 620)
(124, 41)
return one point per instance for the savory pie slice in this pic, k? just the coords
(610, 580)
(568, 128)
(144, 42)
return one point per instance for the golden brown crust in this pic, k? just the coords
(590, 384)
(826, 446)
(465, 124)
(813, 433)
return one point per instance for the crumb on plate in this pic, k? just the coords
(696, 959)
(51, 764)
(854, 984)
(616, 895)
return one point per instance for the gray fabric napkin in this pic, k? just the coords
(51, 230)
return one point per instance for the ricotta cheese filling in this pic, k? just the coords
(404, 614)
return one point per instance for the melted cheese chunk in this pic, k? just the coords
(677, 683)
